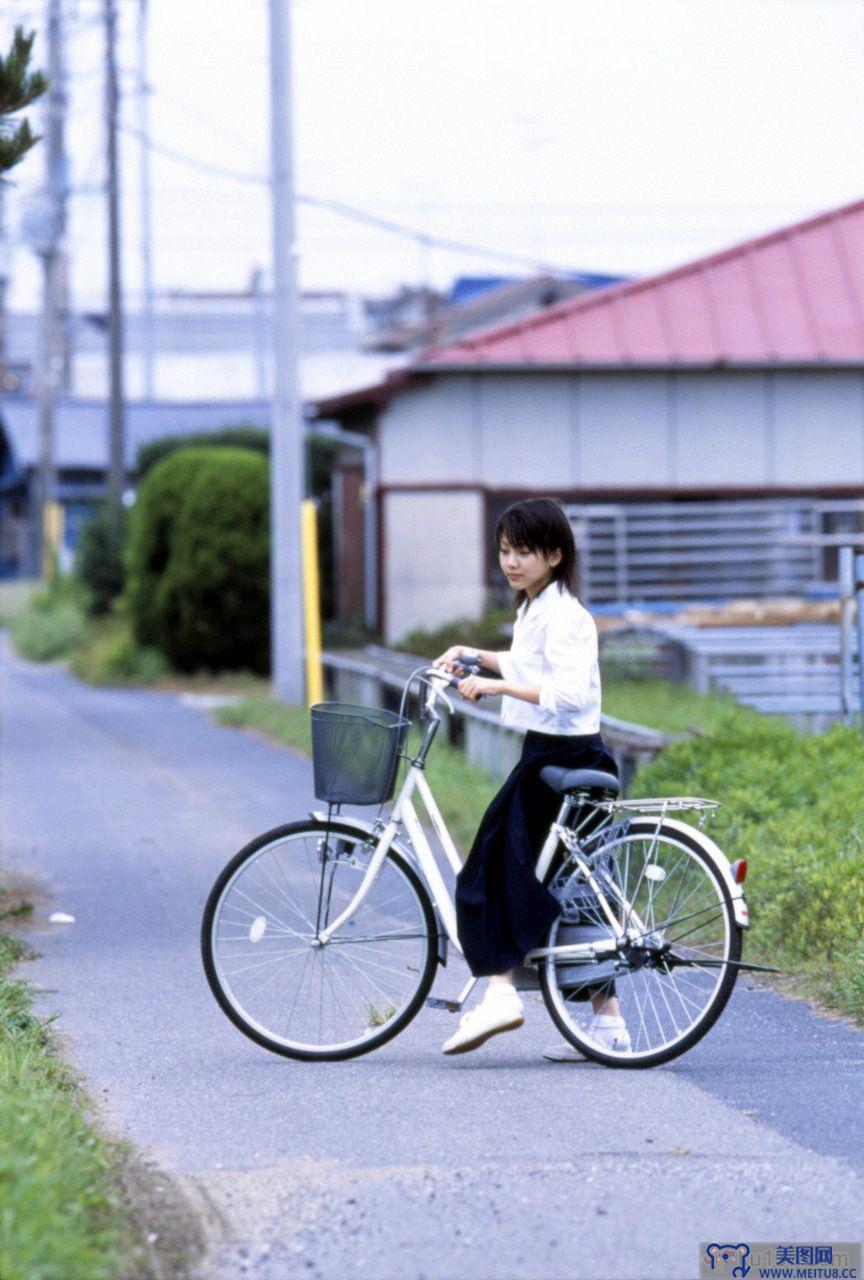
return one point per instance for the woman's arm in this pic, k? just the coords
(489, 660)
(474, 687)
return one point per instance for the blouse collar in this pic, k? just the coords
(523, 608)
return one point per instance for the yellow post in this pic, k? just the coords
(52, 536)
(312, 599)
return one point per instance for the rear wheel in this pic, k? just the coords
(670, 976)
(271, 975)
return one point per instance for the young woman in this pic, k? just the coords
(551, 689)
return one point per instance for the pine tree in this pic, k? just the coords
(18, 88)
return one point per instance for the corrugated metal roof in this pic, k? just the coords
(795, 295)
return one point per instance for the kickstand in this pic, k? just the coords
(452, 1006)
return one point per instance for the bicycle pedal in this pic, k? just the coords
(434, 1002)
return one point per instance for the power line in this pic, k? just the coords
(351, 212)
(215, 170)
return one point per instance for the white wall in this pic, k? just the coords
(523, 429)
(818, 429)
(612, 430)
(623, 431)
(720, 430)
(434, 560)
(429, 434)
(561, 431)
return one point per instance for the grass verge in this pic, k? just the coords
(791, 807)
(15, 595)
(51, 621)
(60, 1216)
(107, 653)
(669, 708)
(70, 1196)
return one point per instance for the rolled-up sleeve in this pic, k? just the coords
(570, 649)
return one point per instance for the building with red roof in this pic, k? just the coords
(703, 426)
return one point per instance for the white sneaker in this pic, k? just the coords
(499, 1010)
(608, 1031)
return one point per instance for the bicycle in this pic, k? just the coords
(321, 938)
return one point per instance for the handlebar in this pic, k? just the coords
(436, 680)
(467, 666)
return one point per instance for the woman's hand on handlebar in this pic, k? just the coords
(451, 659)
(472, 688)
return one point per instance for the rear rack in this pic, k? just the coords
(659, 804)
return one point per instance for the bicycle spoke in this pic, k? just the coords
(666, 897)
(276, 958)
(305, 997)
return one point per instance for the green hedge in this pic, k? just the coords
(792, 807)
(239, 437)
(212, 606)
(157, 507)
(320, 455)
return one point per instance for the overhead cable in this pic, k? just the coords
(351, 212)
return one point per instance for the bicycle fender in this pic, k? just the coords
(345, 820)
(718, 857)
(363, 827)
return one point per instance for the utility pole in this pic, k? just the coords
(116, 470)
(5, 271)
(51, 231)
(147, 320)
(286, 426)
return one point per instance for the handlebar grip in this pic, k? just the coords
(470, 670)
(471, 665)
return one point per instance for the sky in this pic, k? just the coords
(624, 136)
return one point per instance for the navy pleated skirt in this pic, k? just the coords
(502, 909)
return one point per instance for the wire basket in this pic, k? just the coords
(355, 752)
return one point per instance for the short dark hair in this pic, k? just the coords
(539, 524)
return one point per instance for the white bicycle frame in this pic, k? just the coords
(404, 812)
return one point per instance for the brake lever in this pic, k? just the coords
(467, 667)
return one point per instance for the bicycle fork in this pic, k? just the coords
(375, 864)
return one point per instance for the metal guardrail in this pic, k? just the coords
(804, 671)
(708, 549)
(378, 678)
(851, 574)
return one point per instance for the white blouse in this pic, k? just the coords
(555, 647)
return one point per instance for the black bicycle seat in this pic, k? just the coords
(561, 779)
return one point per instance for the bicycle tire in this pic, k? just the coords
(215, 915)
(554, 987)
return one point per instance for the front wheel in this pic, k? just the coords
(259, 943)
(672, 976)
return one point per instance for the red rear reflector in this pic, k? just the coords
(739, 870)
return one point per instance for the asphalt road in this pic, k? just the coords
(491, 1166)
